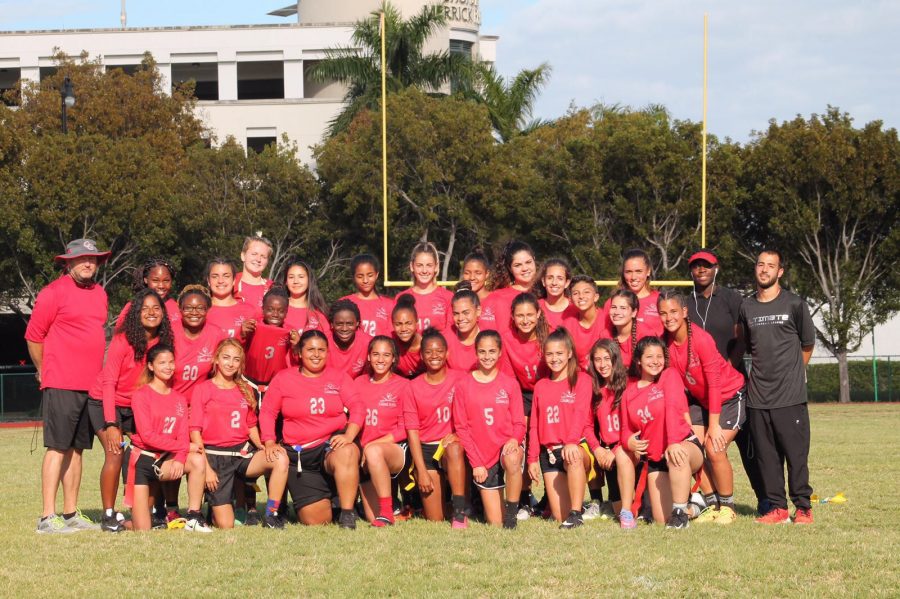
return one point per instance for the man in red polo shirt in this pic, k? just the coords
(66, 340)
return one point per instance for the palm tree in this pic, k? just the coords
(359, 67)
(510, 101)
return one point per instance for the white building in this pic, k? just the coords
(251, 80)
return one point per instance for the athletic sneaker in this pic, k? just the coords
(158, 522)
(803, 516)
(403, 514)
(626, 520)
(710, 514)
(726, 515)
(273, 521)
(573, 521)
(382, 521)
(53, 524)
(775, 516)
(112, 523)
(524, 513)
(678, 519)
(460, 521)
(510, 523)
(347, 520)
(80, 522)
(196, 523)
(252, 518)
(240, 516)
(591, 511)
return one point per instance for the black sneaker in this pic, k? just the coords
(158, 522)
(111, 523)
(510, 523)
(678, 519)
(347, 520)
(573, 521)
(252, 518)
(273, 520)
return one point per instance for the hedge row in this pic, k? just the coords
(823, 382)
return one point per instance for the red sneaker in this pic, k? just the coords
(775, 516)
(802, 516)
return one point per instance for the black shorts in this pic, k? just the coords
(67, 424)
(124, 417)
(309, 483)
(227, 468)
(527, 397)
(733, 416)
(407, 460)
(428, 451)
(144, 473)
(612, 479)
(556, 464)
(662, 465)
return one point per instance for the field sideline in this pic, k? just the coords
(850, 551)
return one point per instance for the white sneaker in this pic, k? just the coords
(591, 511)
(523, 514)
(196, 523)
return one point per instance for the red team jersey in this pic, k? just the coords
(585, 338)
(161, 422)
(488, 319)
(251, 295)
(304, 319)
(194, 357)
(268, 352)
(172, 311)
(657, 412)
(351, 360)
(607, 420)
(499, 304)
(647, 316)
(486, 416)
(222, 416)
(433, 308)
(312, 407)
(231, 318)
(559, 415)
(524, 359)
(428, 409)
(409, 363)
(459, 356)
(374, 314)
(557, 319)
(116, 383)
(708, 377)
(383, 403)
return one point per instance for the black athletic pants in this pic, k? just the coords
(782, 435)
(744, 444)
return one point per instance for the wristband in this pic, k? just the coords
(106, 425)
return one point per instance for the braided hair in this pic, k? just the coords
(141, 273)
(676, 296)
(134, 331)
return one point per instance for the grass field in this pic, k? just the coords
(850, 551)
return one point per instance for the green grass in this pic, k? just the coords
(851, 550)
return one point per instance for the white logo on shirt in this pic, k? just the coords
(487, 315)
(502, 396)
(388, 400)
(205, 355)
(332, 389)
(381, 314)
(567, 397)
(439, 309)
(654, 394)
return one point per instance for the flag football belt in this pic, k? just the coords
(134, 456)
(260, 388)
(298, 449)
(243, 452)
(592, 473)
(438, 454)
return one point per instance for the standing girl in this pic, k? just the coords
(268, 347)
(318, 434)
(432, 301)
(552, 287)
(157, 274)
(561, 417)
(406, 337)
(383, 438)
(306, 306)
(195, 342)
(160, 448)
(587, 326)
(490, 421)
(250, 285)
(230, 314)
(461, 342)
(655, 424)
(476, 271)
(109, 403)
(223, 423)
(437, 454)
(636, 275)
(349, 345)
(715, 400)
(374, 309)
(514, 272)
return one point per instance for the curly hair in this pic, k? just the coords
(538, 289)
(134, 331)
(142, 272)
(501, 275)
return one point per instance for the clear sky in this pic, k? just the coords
(768, 58)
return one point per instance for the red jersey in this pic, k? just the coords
(647, 316)
(709, 378)
(312, 407)
(499, 302)
(557, 319)
(351, 360)
(69, 321)
(524, 359)
(383, 403)
(268, 352)
(409, 363)
(607, 420)
(433, 308)
(559, 415)
(231, 318)
(250, 293)
(585, 337)
(427, 409)
(117, 381)
(172, 311)
(222, 416)
(194, 357)
(161, 422)
(486, 416)
(459, 356)
(488, 319)
(304, 319)
(657, 411)
(374, 314)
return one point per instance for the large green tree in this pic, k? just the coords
(827, 194)
(408, 65)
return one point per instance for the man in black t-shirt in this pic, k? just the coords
(781, 336)
(717, 310)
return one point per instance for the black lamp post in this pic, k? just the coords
(67, 95)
